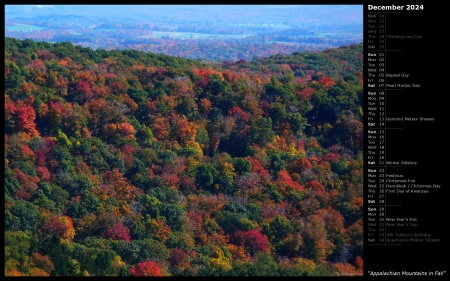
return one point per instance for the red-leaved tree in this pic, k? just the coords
(252, 240)
(177, 257)
(147, 268)
(285, 183)
(25, 117)
(118, 232)
(61, 226)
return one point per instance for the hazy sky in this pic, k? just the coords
(301, 14)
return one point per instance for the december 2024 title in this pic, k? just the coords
(395, 8)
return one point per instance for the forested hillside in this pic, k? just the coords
(125, 163)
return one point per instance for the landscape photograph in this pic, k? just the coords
(183, 140)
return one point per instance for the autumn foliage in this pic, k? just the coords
(60, 226)
(147, 268)
(130, 163)
(252, 240)
(118, 232)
